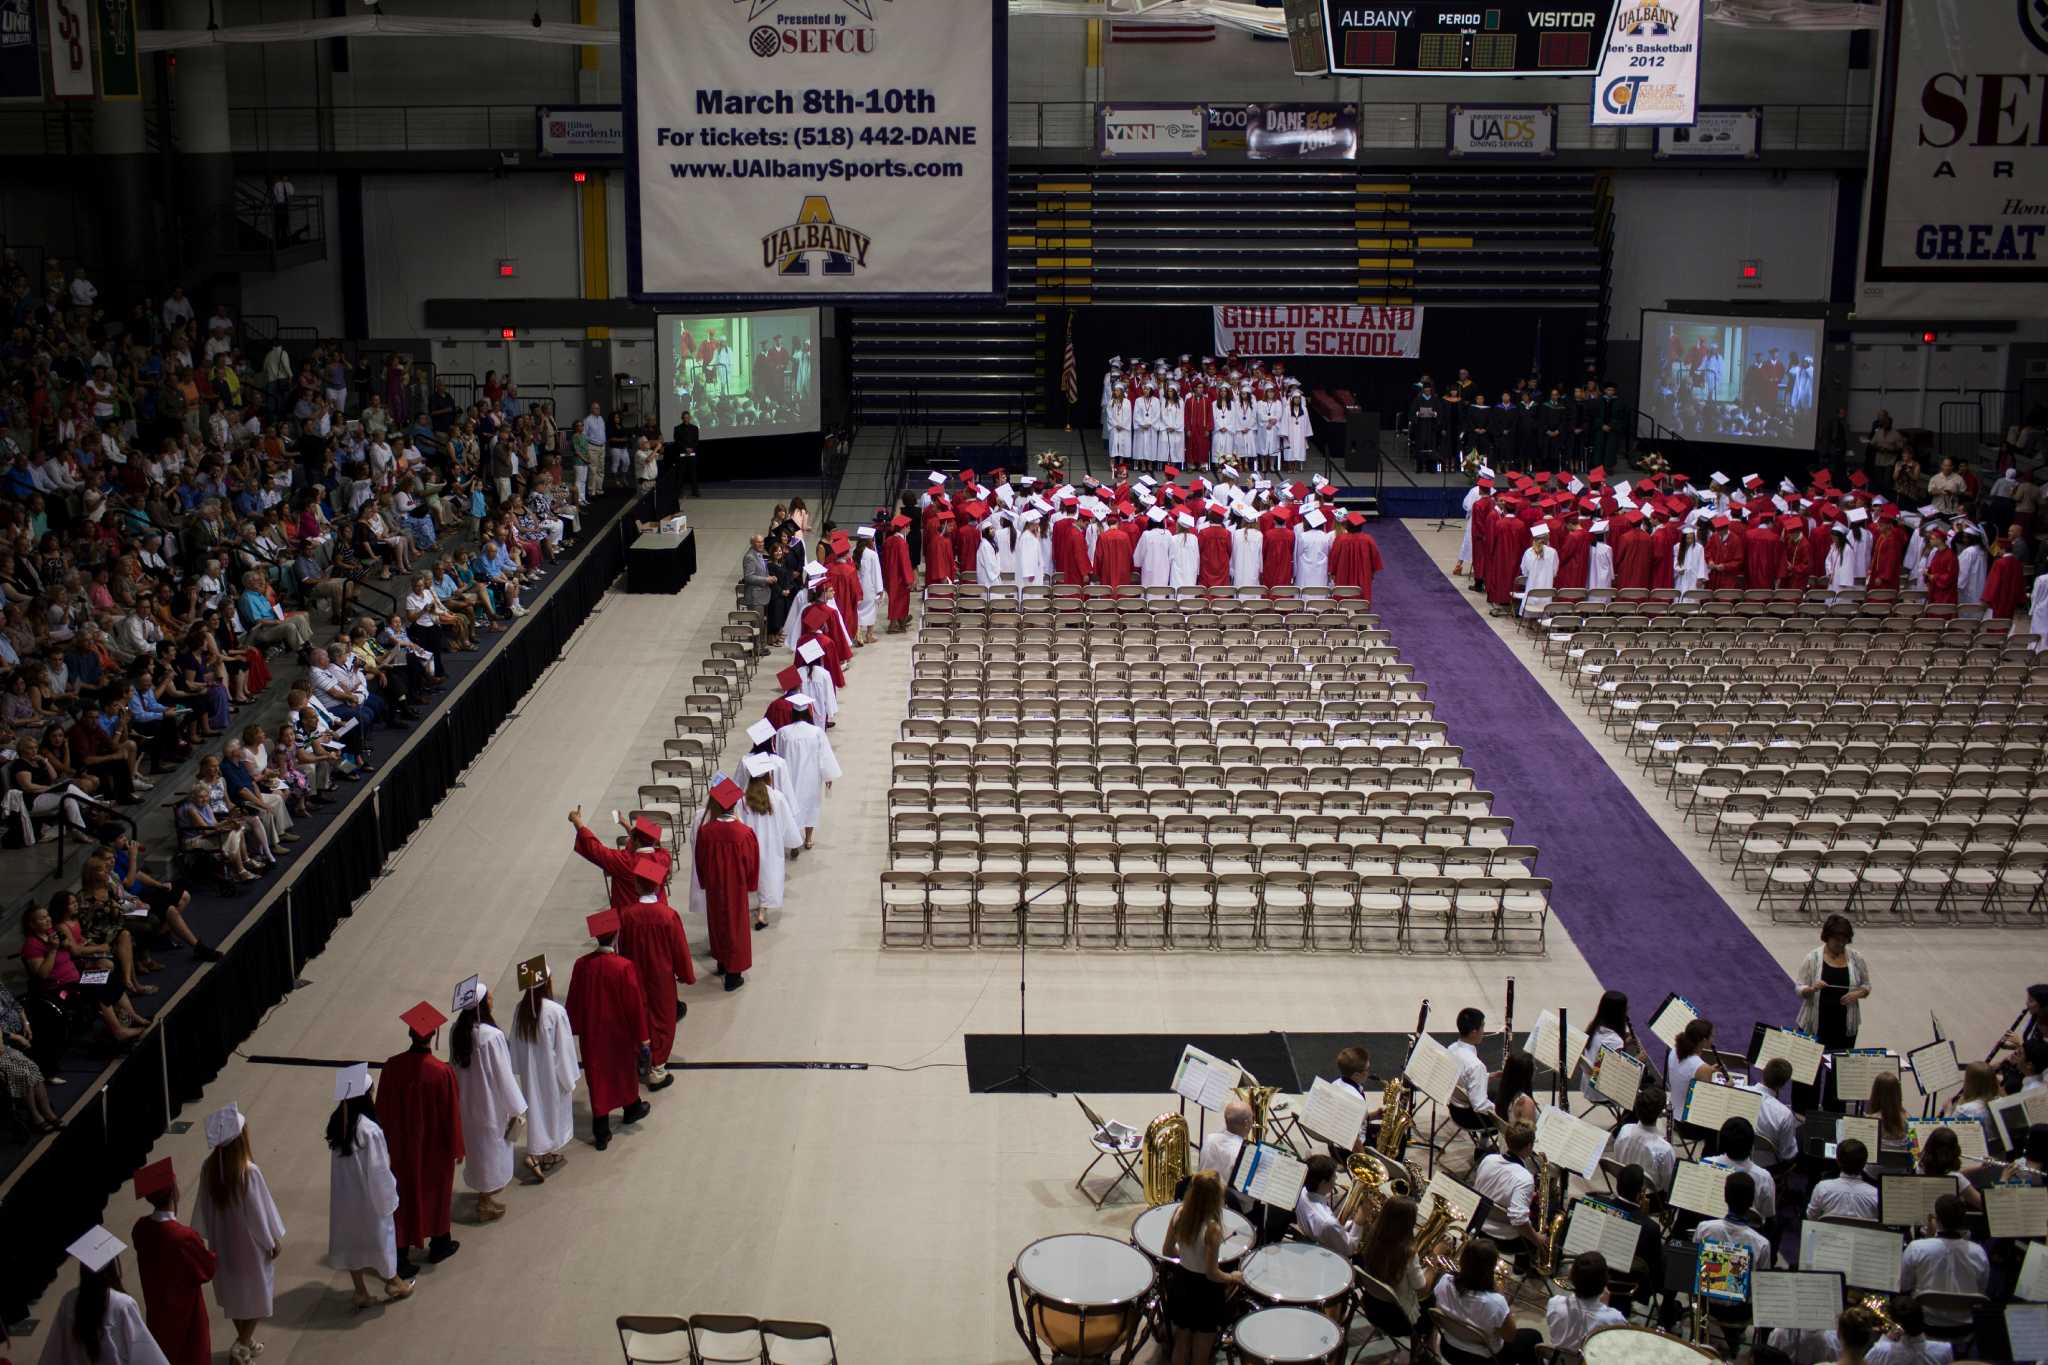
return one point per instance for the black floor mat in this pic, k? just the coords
(1122, 1063)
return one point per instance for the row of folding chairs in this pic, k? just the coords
(1333, 910)
(997, 800)
(1388, 860)
(1073, 621)
(1775, 666)
(1083, 670)
(1471, 825)
(1101, 728)
(1215, 701)
(1375, 783)
(1823, 625)
(1755, 840)
(1812, 703)
(1714, 601)
(1658, 740)
(1159, 749)
(1992, 726)
(723, 1339)
(1971, 886)
(1725, 796)
(1852, 776)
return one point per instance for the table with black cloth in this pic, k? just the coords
(660, 563)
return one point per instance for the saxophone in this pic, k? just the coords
(1397, 1115)
(1548, 1221)
(1166, 1158)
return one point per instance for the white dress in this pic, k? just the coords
(362, 1197)
(1173, 436)
(1600, 566)
(1145, 418)
(1119, 433)
(808, 752)
(870, 587)
(776, 832)
(1185, 564)
(1247, 557)
(1031, 556)
(1688, 566)
(490, 1099)
(243, 1238)
(1294, 434)
(1312, 558)
(1972, 567)
(2037, 608)
(124, 1336)
(1266, 440)
(1223, 438)
(548, 1071)
(1539, 571)
(1153, 558)
(819, 687)
(988, 563)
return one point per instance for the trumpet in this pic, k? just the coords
(1166, 1158)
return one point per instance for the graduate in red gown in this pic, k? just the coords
(1198, 422)
(1888, 551)
(421, 1115)
(1574, 555)
(1113, 556)
(1663, 541)
(845, 581)
(1727, 560)
(899, 577)
(1632, 554)
(1070, 548)
(1763, 553)
(1485, 511)
(1799, 567)
(728, 867)
(822, 619)
(1940, 570)
(608, 1015)
(2002, 582)
(1212, 546)
(1355, 556)
(780, 712)
(1276, 551)
(938, 545)
(967, 537)
(650, 932)
(174, 1263)
(1510, 538)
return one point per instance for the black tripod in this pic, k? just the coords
(1021, 1081)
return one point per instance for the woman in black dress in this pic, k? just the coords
(1197, 1289)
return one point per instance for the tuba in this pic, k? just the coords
(1373, 1182)
(1397, 1115)
(1260, 1098)
(1166, 1158)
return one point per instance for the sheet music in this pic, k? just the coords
(1969, 1137)
(1699, 1188)
(1542, 1044)
(1709, 1105)
(1464, 1202)
(1802, 1050)
(2014, 1114)
(1268, 1174)
(1863, 1130)
(1805, 1300)
(1907, 1201)
(2016, 1210)
(2026, 1329)
(1867, 1257)
(1204, 1079)
(2033, 1281)
(1935, 1068)
(1619, 1077)
(1570, 1142)
(1854, 1071)
(1671, 1018)
(1333, 1112)
(1594, 1227)
(1433, 1069)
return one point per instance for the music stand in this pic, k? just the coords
(1022, 1081)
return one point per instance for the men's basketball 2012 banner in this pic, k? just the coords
(1957, 224)
(839, 151)
(1650, 71)
(1315, 329)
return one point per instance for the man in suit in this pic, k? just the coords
(755, 577)
(681, 464)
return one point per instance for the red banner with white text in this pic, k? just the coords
(1315, 329)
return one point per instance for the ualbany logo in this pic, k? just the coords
(1619, 95)
(1653, 20)
(788, 250)
(2034, 22)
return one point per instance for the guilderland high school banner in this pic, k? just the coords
(837, 151)
(1319, 330)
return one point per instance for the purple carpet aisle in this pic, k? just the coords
(1642, 916)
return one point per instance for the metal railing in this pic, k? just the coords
(382, 128)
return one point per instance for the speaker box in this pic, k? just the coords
(1361, 440)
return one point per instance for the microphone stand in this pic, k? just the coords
(1022, 1081)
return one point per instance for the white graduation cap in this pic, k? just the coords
(1717, 478)
(813, 572)
(758, 765)
(224, 1126)
(1576, 485)
(1157, 516)
(1005, 495)
(1230, 473)
(1858, 515)
(866, 533)
(1116, 362)
(1787, 486)
(1540, 529)
(1032, 518)
(1625, 502)
(1600, 528)
(96, 1249)
(1485, 472)
(801, 701)
(1315, 519)
(1930, 510)
(1779, 503)
(1185, 522)
(1839, 529)
(469, 994)
(761, 731)
(810, 651)
(1620, 490)
(935, 477)
(352, 1081)
(1911, 519)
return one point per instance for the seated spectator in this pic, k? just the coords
(20, 1072)
(200, 828)
(256, 836)
(249, 792)
(268, 622)
(54, 975)
(122, 864)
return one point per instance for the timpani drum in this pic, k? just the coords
(1298, 1275)
(1083, 1296)
(1286, 1336)
(1148, 1234)
(1628, 1344)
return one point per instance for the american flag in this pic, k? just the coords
(1162, 33)
(1070, 369)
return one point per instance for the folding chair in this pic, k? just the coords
(725, 1339)
(1110, 1143)
(798, 1343)
(647, 1339)
(906, 918)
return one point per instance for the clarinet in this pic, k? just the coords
(2008, 1071)
(1507, 1019)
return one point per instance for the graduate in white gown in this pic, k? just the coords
(1972, 567)
(490, 1095)
(1266, 412)
(362, 1193)
(1840, 567)
(793, 627)
(772, 817)
(109, 1316)
(1312, 550)
(239, 1220)
(1153, 558)
(1599, 560)
(1223, 438)
(1539, 565)
(1247, 552)
(816, 680)
(868, 563)
(1472, 495)
(1185, 565)
(1033, 550)
(1294, 431)
(761, 736)
(988, 557)
(1117, 431)
(1688, 561)
(1173, 436)
(2037, 610)
(544, 1059)
(812, 765)
(1146, 416)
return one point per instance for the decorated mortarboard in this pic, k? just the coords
(155, 1178)
(758, 765)
(533, 972)
(810, 651)
(1752, 481)
(469, 994)
(351, 1081)
(789, 680)
(760, 732)
(224, 1125)
(603, 924)
(725, 793)
(96, 1249)
(423, 1019)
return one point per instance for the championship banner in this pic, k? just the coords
(120, 60)
(1722, 134)
(1957, 220)
(1301, 132)
(1227, 124)
(70, 25)
(1286, 331)
(1501, 130)
(21, 61)
(850, 152)
(1650, 70)
(1130, 131)
(580, 130)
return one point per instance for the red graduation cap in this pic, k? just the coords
(649, 868)
(424, 1019)
(967, 476)
(1597, 474)
(1721, 523)
(839, 541)
(1890, 511)
(603, 924)
(1858, 479)
(1825, 478)
(646, 829)
(1789, 522)
(899, 522)
(789, 679)
(1355, 520)
(1171, 473)
(155, 1178)
(727, 793)
(1485, 482)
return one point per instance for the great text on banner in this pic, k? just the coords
(70, 25)
(120, 59)
(1501, 130)
(1151, 130)
(839, 151)
(1650, 69)
(1957, 223)
(1316, 329)
(21, 59)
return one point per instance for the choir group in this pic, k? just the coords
(1183, 414)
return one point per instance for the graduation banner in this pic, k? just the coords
(1957, 222)
(1284, 331)
(850, 153)
(21, 60)
(1650, 69)
(1301, 132)
(120, 68)
(70, 25)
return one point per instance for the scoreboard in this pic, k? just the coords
(1470, 39)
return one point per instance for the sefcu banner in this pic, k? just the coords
(1301, 132)
(1361, 333)
(1650, 71)
(1151, 130)
(1501, 130)
(1957, 220)
(845, 152)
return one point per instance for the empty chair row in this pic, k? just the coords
(1443, 828)
(1157, 747)
(1972, 886)
(1753, 841)
(1406, 860)
(1158, 801)
(1375, 783)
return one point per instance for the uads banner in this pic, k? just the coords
(1362, 333)
(1958, 213)
(1650, 71)
(845, 153)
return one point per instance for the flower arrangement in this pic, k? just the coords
(1653, 462)
(1053, 465)
(1470, 464)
